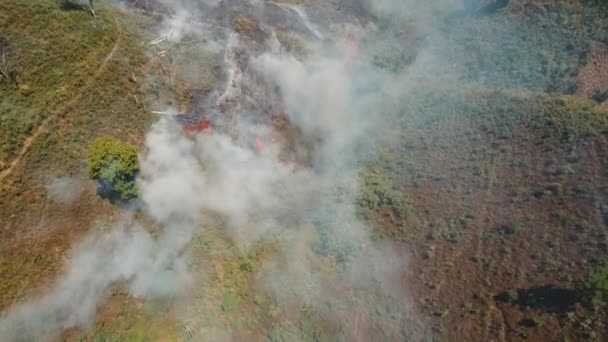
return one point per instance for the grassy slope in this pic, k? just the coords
(55, 54)
(498, 192)
(73, 84)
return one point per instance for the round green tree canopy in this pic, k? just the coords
(114, 165)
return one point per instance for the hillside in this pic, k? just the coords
(334, 170)
(72, 84)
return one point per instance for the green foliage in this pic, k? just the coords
(309, 327)
(504, 113)
(114, 165)
(538, 50)
(510, 228)
(538, 321)
(512, 296)
(451, 229)
(335, 238)
(306, 329)
(596, 287)
(378, 192)
(54, 53)
(333, 220)
(57, 56)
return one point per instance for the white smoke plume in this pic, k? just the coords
(64, 190)
(311, 208)
(124, 253)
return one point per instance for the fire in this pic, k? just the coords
(205, 126)
(259, 144)
(202, 126)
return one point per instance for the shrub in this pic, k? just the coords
(114, 165)
(596, 287)
(378, 192)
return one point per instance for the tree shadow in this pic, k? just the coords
(491, 8)
(70, 5)
(528, 323)
(547, 298)
(105, 191)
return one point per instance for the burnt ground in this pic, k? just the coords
(503, 225)
(592, 80)
(529, 230)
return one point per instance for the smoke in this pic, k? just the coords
(338, 106)
(308, 209)
(413, 8)
(64, 190)
(150, 266)
(124, 253)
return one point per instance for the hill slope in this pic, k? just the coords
(488, 175)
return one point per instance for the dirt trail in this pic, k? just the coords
(36, 133)
(104, 63)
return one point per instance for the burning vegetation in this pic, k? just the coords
(303, 170)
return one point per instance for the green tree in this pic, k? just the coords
(114, 165)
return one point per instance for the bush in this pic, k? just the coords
(114, 165)
(596, 287)
(378, 192)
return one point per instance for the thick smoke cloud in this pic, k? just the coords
(124, 253)
(309, 209)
